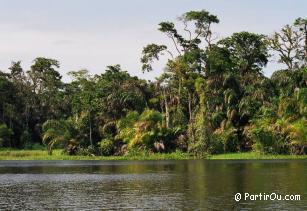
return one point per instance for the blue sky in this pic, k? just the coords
(95, 33)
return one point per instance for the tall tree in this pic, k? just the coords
(187, 60)
(248, 51)
(288, 44)
(301, 23)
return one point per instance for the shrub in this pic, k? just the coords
(297, 132)
(143, 130)
(106, 147)
(37, 146)
(216, 146)
(109, 129)
(288, 108)
(199, 149)
(301, 96)
(125, 127)
(224, 140)
(26, 139)
(88, 151)
(5, 135)
(269, 140)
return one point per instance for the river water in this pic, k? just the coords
(150, 185)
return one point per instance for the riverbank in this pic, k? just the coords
(254, 156)
(8, 154)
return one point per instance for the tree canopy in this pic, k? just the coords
(212, 97)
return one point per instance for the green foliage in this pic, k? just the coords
(106, 147)
(217, 119)
(301, 97)
(151, 115)
(151, 52)
(109, 129)
(218, 60)
(297, 133)
(5, 135)
(283, 134)
(230, 140)
(142, 131)
(248, 51)
(288, 108)
(26, 139)
(201, 18)
(56, 132)
(126, 127)
(286, 82)
(269, 141)
(148, 129)
(202, 142)
(213, 97)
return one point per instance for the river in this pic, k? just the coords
(151, 185)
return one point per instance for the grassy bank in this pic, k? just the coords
(10, 154)
(254, 155)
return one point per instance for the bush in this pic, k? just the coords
(288, 108)
(106, 147)
(297, 132)
(142, 131)
(5, 135)
(37, 146)
(269, 141)
(89, 151)
(216, 146)
(26, 139)
(224, 140)
(230, 140)
(199, 149)
(125, 127)
(151, 115)
(109, 129)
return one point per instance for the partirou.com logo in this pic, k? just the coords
(266, 197)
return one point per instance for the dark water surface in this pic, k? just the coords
(150, 185)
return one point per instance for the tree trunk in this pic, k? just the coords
(179, 92)
(190, 107)
(12, 130)
(49, 150)
(166, 110)
(191, 120)
(90, 123)
(3, 112)
(305, 44)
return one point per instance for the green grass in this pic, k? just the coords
(11, 154)
(253, 155)
(8, 154)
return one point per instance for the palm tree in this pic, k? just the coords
(56, 131)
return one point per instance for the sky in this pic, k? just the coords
(92, 34)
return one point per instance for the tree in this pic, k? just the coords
(23, 103)
(186, 62)
(5, 135)
(16, 71)
(288, 43)
(248, 51)
(84, 99)
(212, 97)
(102, 99)
(301, 23)
(57, 132)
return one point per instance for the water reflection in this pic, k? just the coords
(153, 185)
